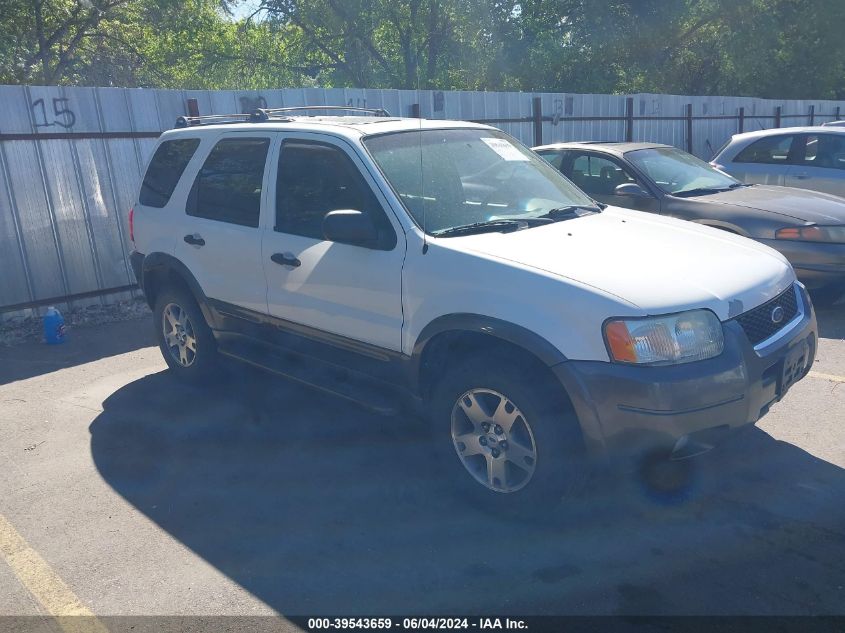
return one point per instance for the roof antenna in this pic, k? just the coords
(422, 176)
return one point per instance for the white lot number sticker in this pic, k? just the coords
(504, 148)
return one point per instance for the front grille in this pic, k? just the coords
(758, 324)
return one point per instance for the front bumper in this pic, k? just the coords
(817, 264)
(688, 408)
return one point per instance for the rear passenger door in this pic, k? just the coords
(327, 289)
(220, 238)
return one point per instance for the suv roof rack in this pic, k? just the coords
(373, 111)
(260, 115)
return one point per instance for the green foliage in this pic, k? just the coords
(766, 48)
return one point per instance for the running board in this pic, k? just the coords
(377, 397)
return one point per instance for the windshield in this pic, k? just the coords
(677, 172)
(456, 177)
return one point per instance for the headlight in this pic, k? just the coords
(835, 234)
(665, 340)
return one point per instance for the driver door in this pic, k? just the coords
(322, 289)
(599, 176)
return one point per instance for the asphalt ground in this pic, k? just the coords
(124, 493)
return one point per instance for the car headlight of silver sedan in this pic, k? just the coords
(813, 233)
(664, 340)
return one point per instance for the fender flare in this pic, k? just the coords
(512, 333)
(167, 263)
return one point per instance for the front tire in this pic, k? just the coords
(184, 338)
(827, 296)
(506, 434)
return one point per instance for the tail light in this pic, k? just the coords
(132, 225)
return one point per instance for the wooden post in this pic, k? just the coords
(741, 124)
(537, 119)
(415, 111)
(689, 127)
(837, 113)
(812, 114)
(629, 119)
(193, 107)
(777, 116)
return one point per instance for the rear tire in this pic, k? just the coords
(506, 435)
(184, 338)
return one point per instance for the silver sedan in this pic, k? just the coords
(805, 157)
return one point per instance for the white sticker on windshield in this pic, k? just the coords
(504, 148)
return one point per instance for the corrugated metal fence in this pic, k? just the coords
(71, 158)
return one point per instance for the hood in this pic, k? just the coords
(660, 265)
(802, 205)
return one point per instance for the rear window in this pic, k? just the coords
(166, 167)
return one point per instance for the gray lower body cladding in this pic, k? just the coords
(626, 409)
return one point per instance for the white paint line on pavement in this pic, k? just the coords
(44, 584)
(816, 374)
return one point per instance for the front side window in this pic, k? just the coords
(455, 177)
(228, 187)
(770, 150)
(679, 173)
(165, 170)
(598, 176)
(824, 150)
(316, 178)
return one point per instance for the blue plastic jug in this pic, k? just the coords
(54, 327)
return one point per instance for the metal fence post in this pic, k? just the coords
(537, 119)
(629, 119)
(689, 127)
(777, 116)
(837, 113)
(415, 111)
(741, 123)
(812, 114)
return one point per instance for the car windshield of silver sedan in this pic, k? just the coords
(679, 173)
(465, 180)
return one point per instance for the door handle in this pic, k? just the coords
(286, 259)
(194, 240)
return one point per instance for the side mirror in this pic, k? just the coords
(631, 190)
(349, 227)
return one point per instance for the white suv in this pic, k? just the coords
(443, 263)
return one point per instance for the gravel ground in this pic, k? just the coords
(19, 330)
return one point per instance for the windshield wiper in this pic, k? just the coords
(504, 226)
(699, 191)
(571, 211)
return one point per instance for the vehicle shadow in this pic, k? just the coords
(831, 321)
(317, 507)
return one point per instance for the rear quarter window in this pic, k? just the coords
(165, 170)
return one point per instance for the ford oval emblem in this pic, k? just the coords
(777, 314)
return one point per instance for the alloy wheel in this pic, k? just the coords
(179, 335)
(493, 440)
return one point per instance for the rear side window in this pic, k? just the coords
(165, 170)
(771, 150)
(554, 158)
(228, 187)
